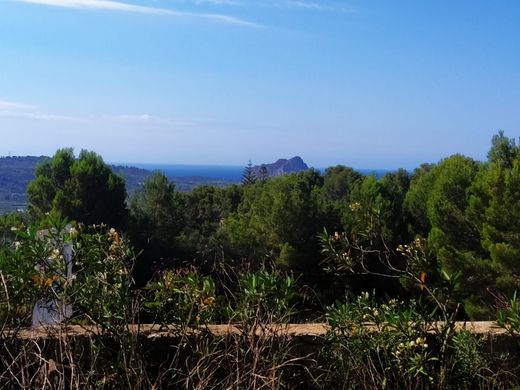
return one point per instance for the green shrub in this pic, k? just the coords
(379, 344)
(263, 296)
(509, 317)
(182, 298)
(398, 345)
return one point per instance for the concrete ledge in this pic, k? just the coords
(154, 331)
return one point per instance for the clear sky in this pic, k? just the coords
(371, 84)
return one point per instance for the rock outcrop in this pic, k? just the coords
(280, 167)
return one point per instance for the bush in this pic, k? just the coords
(182, 297)
(397, 345)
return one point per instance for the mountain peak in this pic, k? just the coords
(282, 166)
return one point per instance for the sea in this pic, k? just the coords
(228, 173)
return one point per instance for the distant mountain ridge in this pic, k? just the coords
(17, 171)
(281, 167)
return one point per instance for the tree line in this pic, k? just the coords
(463, 216)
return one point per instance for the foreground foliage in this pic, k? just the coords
(432, 247)
(372, 343)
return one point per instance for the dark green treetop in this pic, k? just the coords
(279, 219)
(503, 150)
(248, 177)
(338, 182)
(263, 174)
(156, 215)
(83, 189)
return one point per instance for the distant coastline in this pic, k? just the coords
(17, 172)
(229, 173)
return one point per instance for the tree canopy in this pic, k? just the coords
(463, 214)
(83, 189)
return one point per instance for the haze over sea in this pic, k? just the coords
(231, 173)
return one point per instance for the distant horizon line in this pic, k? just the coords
(321, 168)
(407, 167)
(177, 164)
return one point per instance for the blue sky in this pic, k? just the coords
(371, 84)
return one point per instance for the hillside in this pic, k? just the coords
(16, 173)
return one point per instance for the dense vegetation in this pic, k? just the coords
(400, 349)
(441, 243)
(17, 172)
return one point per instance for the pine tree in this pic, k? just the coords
(263, 174)
(83, 189)
(248, 176)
